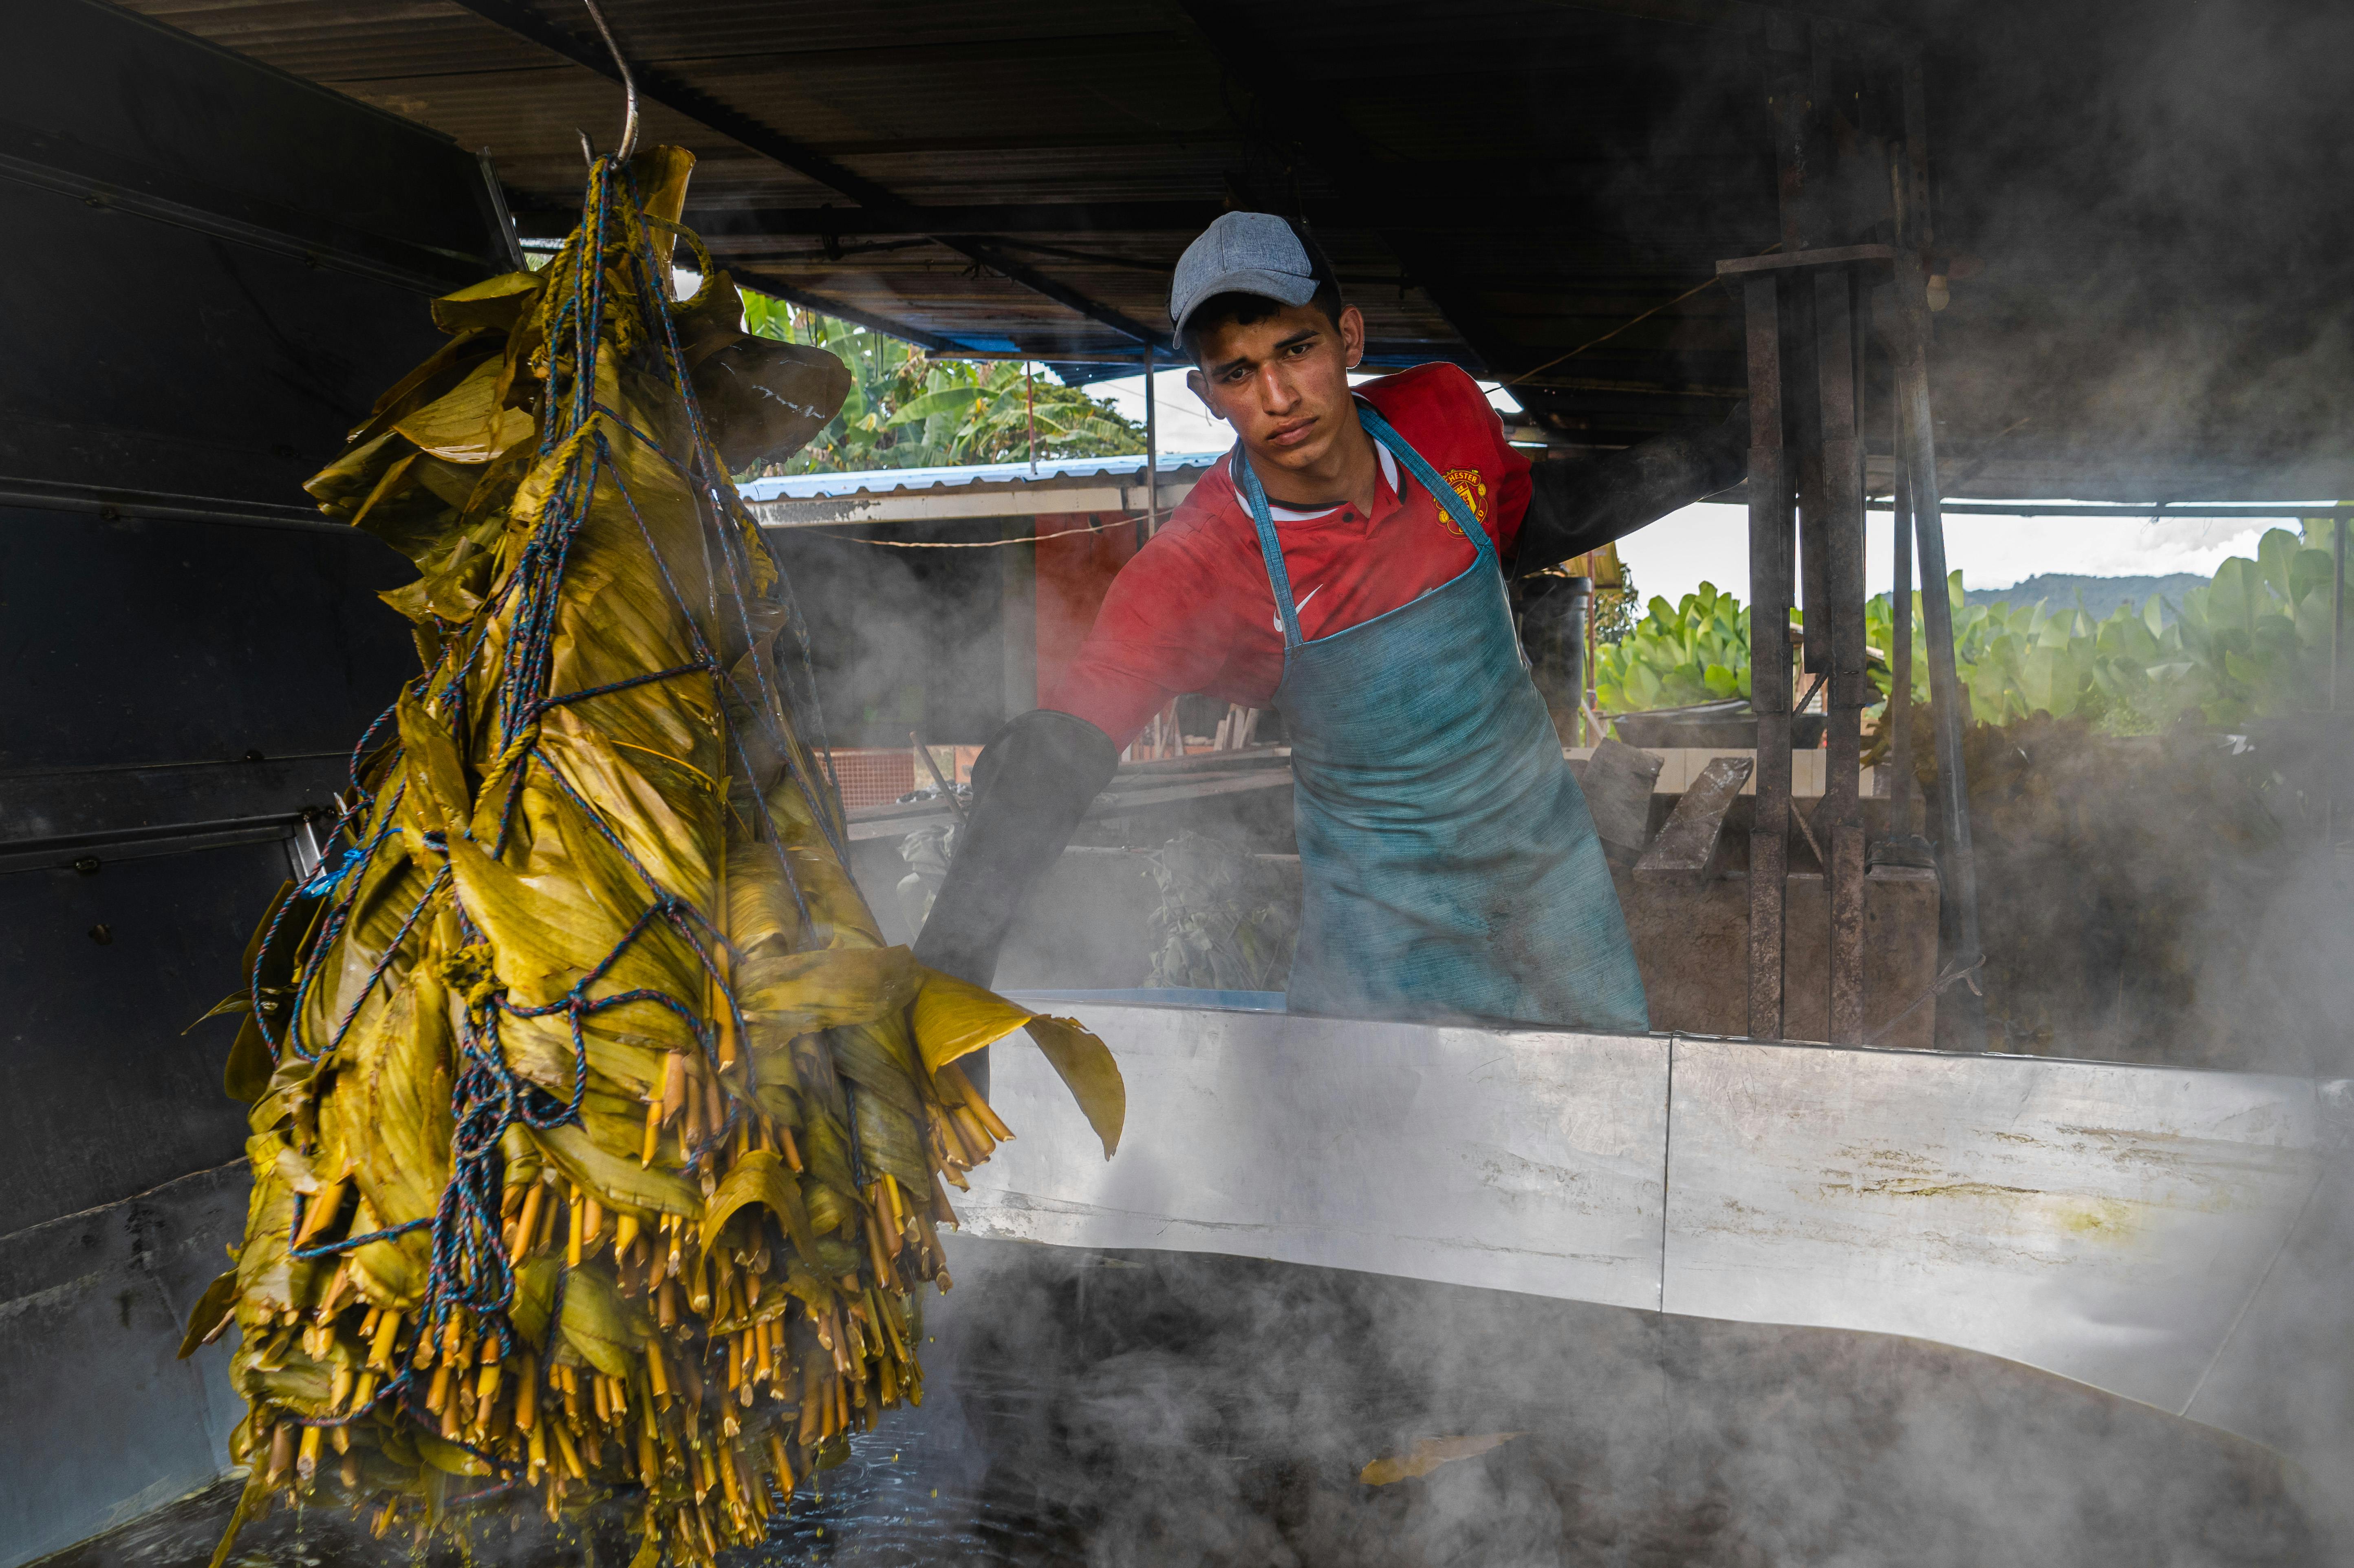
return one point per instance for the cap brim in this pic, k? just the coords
(1288, 288)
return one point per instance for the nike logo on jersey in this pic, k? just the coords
(1297, 606)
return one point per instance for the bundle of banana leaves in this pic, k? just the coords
(598, 1136)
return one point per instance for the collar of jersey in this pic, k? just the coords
(1387, 500)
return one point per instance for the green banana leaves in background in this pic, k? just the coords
(2253, 643)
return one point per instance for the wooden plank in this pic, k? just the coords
(1689, 849)
(1770, 570)
(1619, 779)
(1841, 815)
(1837, 256)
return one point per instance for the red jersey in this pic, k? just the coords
(1193, 612)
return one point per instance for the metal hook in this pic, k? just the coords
(628, 90)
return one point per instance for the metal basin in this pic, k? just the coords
(2150, 1232)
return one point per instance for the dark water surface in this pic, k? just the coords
(1161, 1408)
(1158, 1408)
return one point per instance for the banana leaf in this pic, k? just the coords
(760, 1176)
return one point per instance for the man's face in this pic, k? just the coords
(1282, 382)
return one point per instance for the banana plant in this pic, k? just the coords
(2254, 641)
(1695, 650)
(907, 409)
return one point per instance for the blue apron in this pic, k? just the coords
(1450, 867)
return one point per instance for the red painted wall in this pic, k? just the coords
(1078, 554)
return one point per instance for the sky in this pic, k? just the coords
(1672, 556)
(1704, 542)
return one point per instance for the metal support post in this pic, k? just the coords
(1152, 451)
(1836, 522)
(1770, 564)
(1900, 669)
(1584, 649)
(2337, 521)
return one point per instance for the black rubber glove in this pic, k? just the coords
(1574, 507)
(1031, 785)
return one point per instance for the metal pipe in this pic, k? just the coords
(1585, 681)
(947, 790)
(2338, 520)
(2253, 511)
(496, 193)
(2336, 598)
(1577, 647)
(1151, 451)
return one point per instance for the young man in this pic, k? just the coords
(1343, 565)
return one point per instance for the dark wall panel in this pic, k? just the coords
(112, 86)
(147, 357)
(106, 1096)
(139, 640)
(98, 1416)
(183, 310)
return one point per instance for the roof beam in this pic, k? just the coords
(930, 341)
(1039, 217)
(1084, 218)
(656, 86)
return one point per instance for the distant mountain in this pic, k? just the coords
(2100, 596)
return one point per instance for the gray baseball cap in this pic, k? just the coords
(1242, 253)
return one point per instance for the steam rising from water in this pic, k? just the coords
(1182, 1410)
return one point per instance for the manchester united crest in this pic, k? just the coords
(1473, 487)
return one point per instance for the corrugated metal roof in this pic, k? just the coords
(896, 481)
(2153, 301)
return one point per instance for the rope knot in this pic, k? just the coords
(328, 875)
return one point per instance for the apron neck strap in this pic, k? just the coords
(1450, 502)
(1450, 499)
(1270, 549)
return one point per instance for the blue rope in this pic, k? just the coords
(611, 686)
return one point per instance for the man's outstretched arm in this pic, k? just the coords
(1574, 507)
(1031, 785)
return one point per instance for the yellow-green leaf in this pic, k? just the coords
(212, 1314)
(1428, 1454)
(953, 1018)
(1087, 1070)
(760, 1176)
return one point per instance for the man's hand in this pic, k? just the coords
(1574, 507)
(1031, 786)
